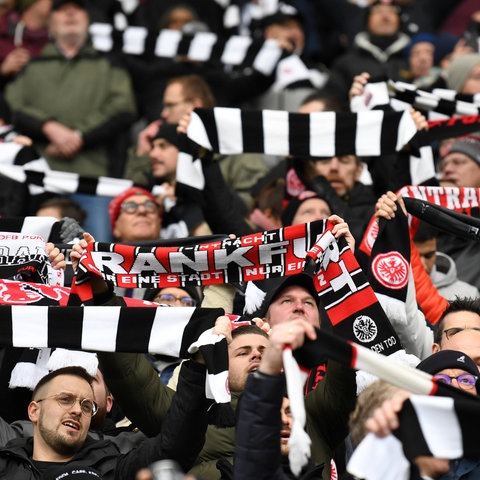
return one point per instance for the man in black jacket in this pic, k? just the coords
(61, 411)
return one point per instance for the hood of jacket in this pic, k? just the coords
(363, 42)
(444, 272)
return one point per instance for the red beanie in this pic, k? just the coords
(115, 204)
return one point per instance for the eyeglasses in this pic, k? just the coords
(67, 400)
(167, 298)
(465, 380)
(131, 207)
(450, 332)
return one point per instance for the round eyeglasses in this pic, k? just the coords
(465, 380)
(170, 299)
(132, 207)
(66, 400)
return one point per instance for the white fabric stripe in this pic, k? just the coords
(189, 171)
(14, 172)
(229, 127)
(215, 387)
(167, 329)
(392, 371)
(28, 329)
(201, 46)
(235, 50)
(134, 40)
(406, 130)
(373, 94)
(322, 134)
(167, 43)
(299, 441)
(101, 35)
(109, 187)
(60, 182)
(465, 108)
(369, 132)
(8, 151)
(268, 57)
(390, 462)
(439, 424)
(197, 132)
(99, 329)
(275, 132)
(422, 168)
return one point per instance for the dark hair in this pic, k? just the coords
(331, 102)
(75, 371)
(68, 208)
(425, 232)
(460, 304)
(271, 196)
(249, 329)
(166, 17)
(194, 86)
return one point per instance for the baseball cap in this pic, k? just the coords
(270, 289)
(59, 3)
(448, 359)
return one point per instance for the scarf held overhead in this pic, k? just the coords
(320, 134)
(257, 256)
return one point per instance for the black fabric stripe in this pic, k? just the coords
(6, 330)
(184, 45)
(202, 319)
(299, 134)
(446, 107)
(410, 433)
(35, 178)
(11, 224)
(252, 131)
(87, 185)
(389, 131)
(216, 357)
(133, 334)
(345, 131)
(65, 327)
(251, 53)
(150, 42)
(208, 119)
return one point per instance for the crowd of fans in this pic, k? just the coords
(88, 88)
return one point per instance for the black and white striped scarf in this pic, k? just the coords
(441, 427)
(263, 56)
(438, 103)
(321, 134)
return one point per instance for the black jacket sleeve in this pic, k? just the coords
(257, 454)
(183, 431)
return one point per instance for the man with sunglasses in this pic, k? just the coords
(62, 407)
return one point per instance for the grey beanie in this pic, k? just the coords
(459, 70)
(468, 145)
